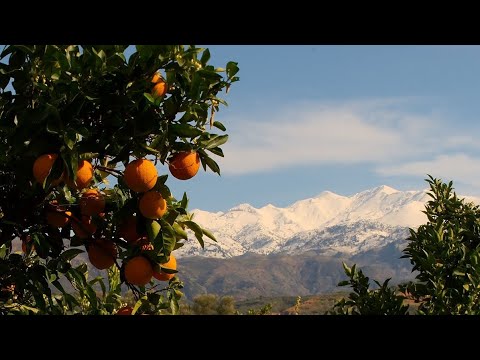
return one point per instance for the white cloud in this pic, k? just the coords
(459, 167)
(371, 131)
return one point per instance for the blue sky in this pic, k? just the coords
(304, 119)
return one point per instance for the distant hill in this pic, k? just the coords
(254, 275)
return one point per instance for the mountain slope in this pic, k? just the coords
(254, 275)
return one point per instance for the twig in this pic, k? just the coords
(113, 172)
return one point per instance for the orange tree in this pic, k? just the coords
(75, 119)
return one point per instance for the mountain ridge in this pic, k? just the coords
(337, 223)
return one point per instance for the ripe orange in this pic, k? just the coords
(85, 228)
(84, 176)
(102, 253)
(56, 215)
(170, 264)
(58, 219)
(157, 77)
(140, 175)
(138, 271)
(128, 229)
(160, 88)
(126, 310)
(184, 165)
(92, 202)
(152, 205)
(42, 166)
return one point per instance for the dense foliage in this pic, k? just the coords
(444, 253)
(78, 115)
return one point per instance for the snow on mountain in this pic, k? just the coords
(325, 223)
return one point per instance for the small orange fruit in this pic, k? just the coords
(58, 219)
(56, 215)
(42, 166)
(157, 77)
(92, 202)
(85, 228)
(140, 175)
(152, 205)
(84, 176)
(170, 264)
(126, 310)
(128, 229)
(184, 165)
(160, 88)
(102, 253)
(138, 271)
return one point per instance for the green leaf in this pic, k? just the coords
(209, 234)
(211, 75)
(55, 173)
(197, 230)
(343, 283)
(193, 226)
(163, 190)
(162, 179)
(69, 254)
(99, 280)
(154, 298)
(3, 251)
(168, 236)
(205, 57)
(184, 202)
(153, 229)
(182, 234)
(148, 149)
(216, 151)
(26, 49)
(168, 270)
(139, 304)
(114, 281)
(91, 296)
(178, 245)
(71, 162)
(149, 97)
(211, 164)
(101, 54)
(59, 286)
(171, 216)
(185, 130)
(216, 141)
(55, 76)
(174, 308)
(88, 156)
(232, 69)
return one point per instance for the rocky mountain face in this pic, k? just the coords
(298, 250)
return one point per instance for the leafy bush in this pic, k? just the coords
(445, 253)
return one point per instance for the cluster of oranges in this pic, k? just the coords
(140, 176)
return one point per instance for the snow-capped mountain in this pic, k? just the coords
(326, 223)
